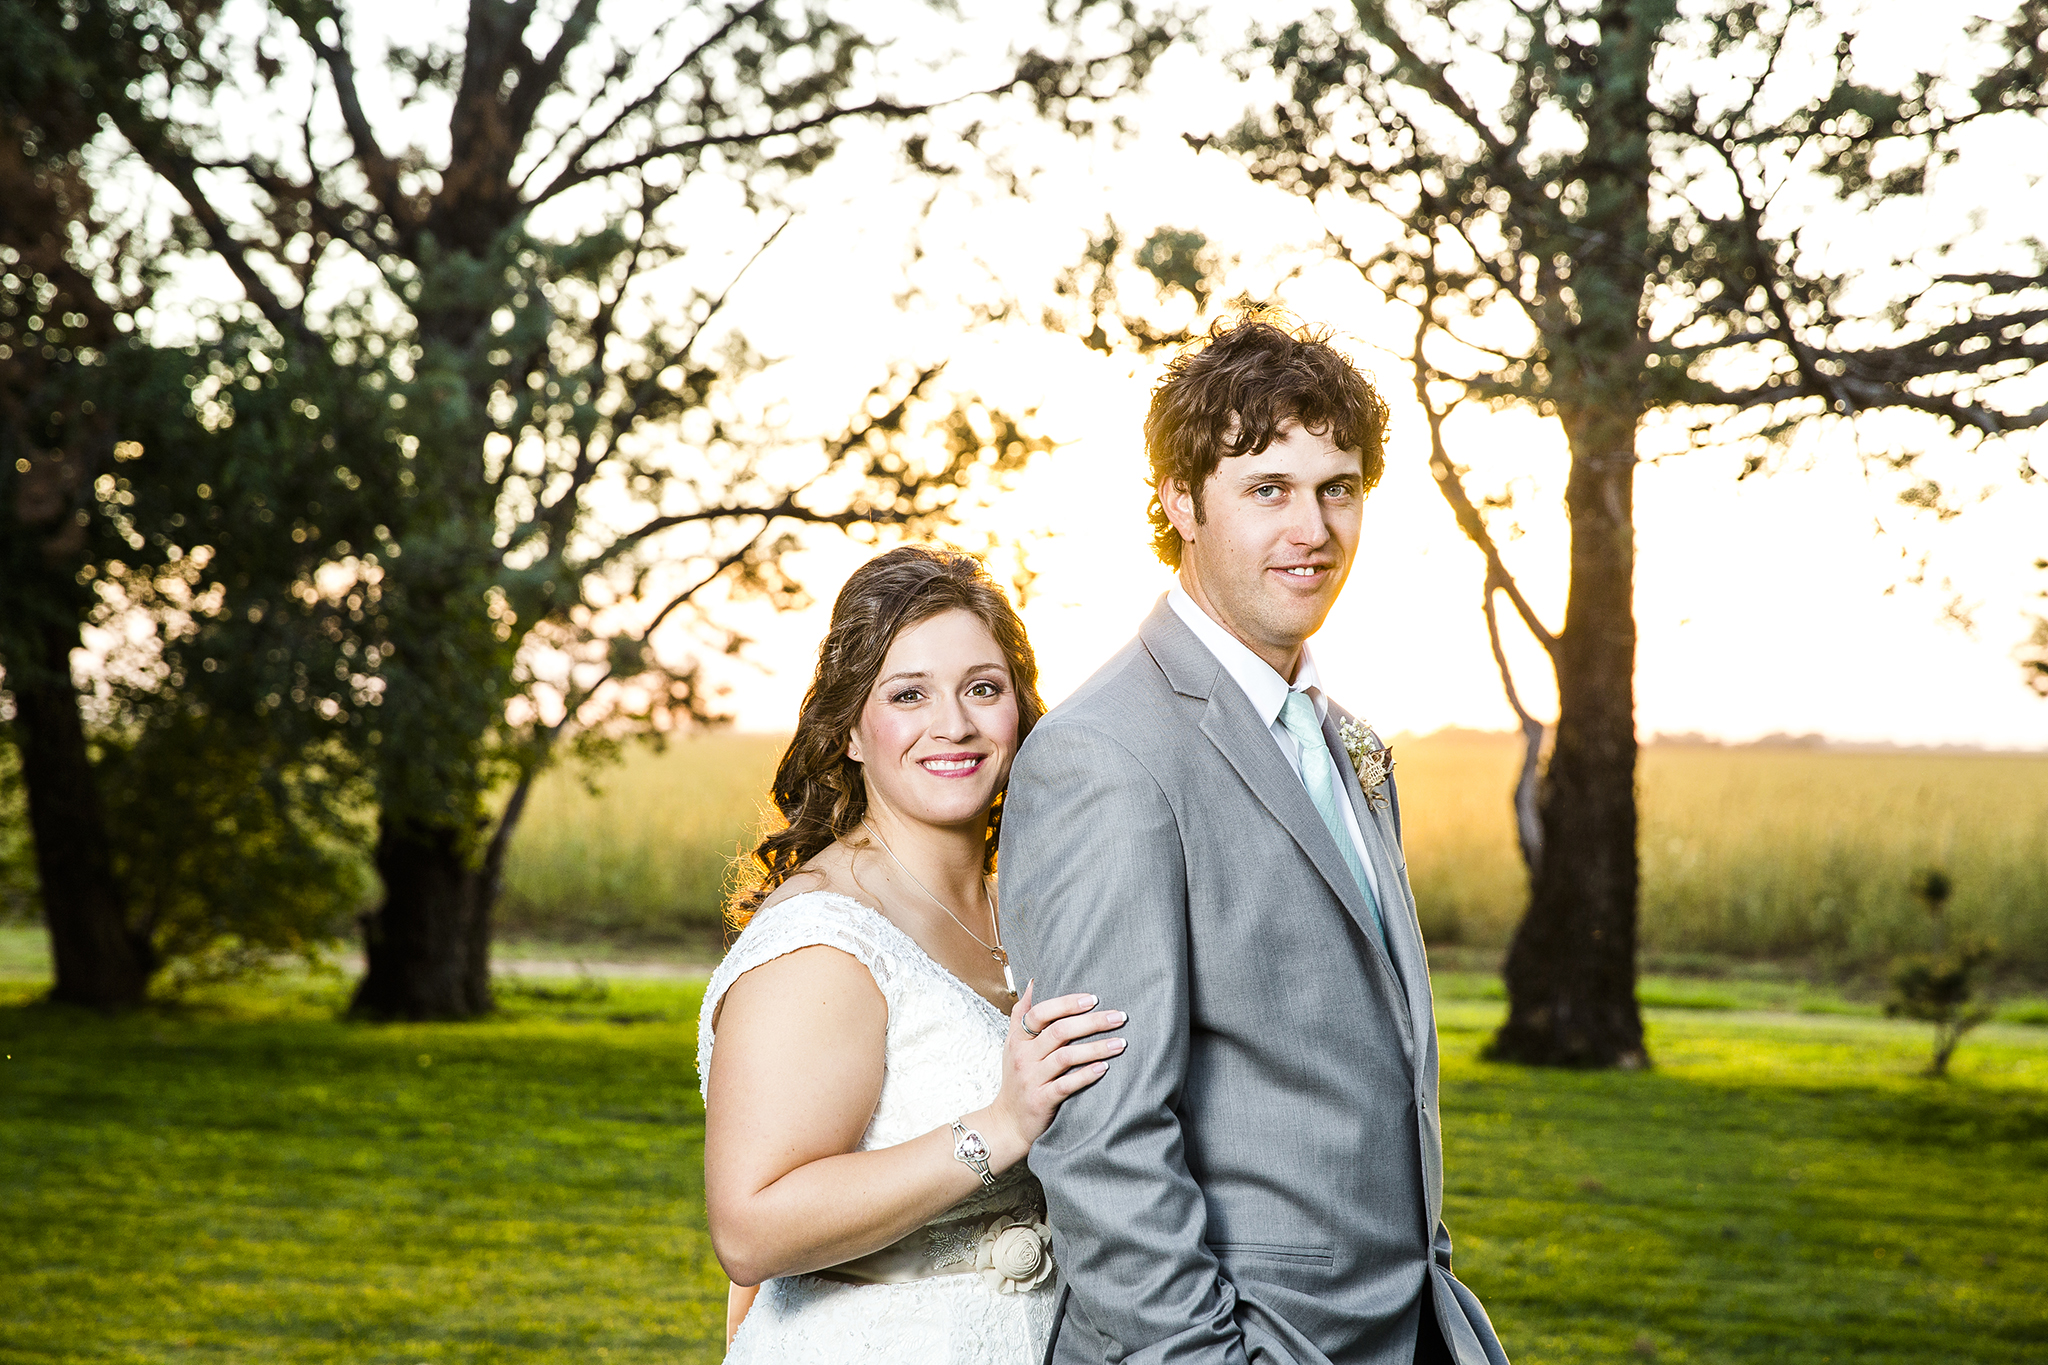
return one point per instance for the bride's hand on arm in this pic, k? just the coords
(794, 1082)
(1055, 1048)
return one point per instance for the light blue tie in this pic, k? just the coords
(1319, 775)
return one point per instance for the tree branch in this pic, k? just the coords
(536, 78)
(1528, 821)
(571, 177)
(733, 19)
(179, 169)
(378, 169)
(702, 583)
(1469, 521)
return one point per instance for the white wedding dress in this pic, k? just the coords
(944, 1059)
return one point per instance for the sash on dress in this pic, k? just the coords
(950, 1244)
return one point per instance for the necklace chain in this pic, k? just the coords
(995, 950)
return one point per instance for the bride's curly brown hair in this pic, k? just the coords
(818, 789)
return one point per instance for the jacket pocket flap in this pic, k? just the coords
(1274, 1251)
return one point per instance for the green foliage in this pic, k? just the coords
(1606, 179)
(248, 1178)
(1092, 291)
(415, 503)
(227, 838)
(1602, 210)
(236, 854)
(1177, 259)
(234, 851)
(233, 824)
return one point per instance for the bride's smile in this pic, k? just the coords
(953, 765)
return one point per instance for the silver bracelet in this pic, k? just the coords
(971, 1151)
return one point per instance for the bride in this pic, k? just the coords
(871, 1080)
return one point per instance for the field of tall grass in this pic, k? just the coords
(1758, 853)
(638, 851)
(1749, 854)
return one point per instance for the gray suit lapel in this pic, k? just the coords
(1397, 898)
(1248, 746)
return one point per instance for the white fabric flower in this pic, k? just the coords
(1014, 1255)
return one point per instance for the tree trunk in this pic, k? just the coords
(100, 961)
(1571, 971)
(427, 947)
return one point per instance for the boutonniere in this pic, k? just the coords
(1370, 759)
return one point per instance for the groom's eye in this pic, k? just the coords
(1266, 491)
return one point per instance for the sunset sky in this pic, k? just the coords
(1779, 603)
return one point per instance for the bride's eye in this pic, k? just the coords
(985, 689)
(907, 696)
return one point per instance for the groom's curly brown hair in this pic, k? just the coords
(1232, 394)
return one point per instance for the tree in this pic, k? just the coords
(509, 274)
(1605, 209)
(161, 833)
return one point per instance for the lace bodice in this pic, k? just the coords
(943, 1058)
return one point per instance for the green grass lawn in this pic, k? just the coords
(260, 1182)
(244, 1177)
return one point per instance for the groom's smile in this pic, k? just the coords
(1304, 577)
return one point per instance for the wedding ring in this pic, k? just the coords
(1029, 1032)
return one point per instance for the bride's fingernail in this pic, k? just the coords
(1116, 1045)
(1116, 1017)
(1087, 1002)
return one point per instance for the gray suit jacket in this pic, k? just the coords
(1259, 1177)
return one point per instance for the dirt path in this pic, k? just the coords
(352, 963)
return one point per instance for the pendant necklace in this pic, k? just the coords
(994, 950)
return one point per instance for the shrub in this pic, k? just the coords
(233, 851)
(1941, 991)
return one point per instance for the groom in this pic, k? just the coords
(1259, 1177)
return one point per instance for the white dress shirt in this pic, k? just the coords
(1267, 691)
